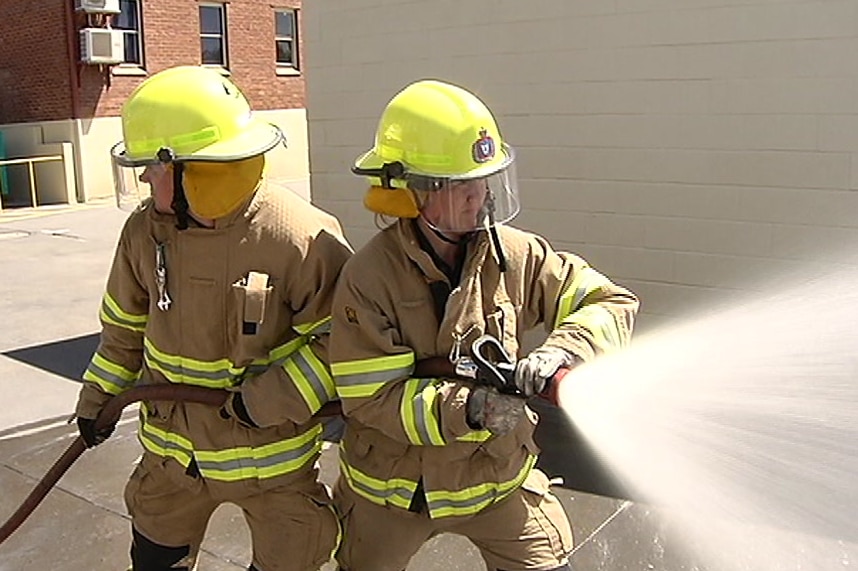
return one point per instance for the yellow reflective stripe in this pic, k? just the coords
(177, 369)
(113, 314)
(363, 391)
(317, 328)
(262, 462)
(600, 322)
(339, 540)
(475, 436)
(397, 491)
(111, 377)
(280, 352)
(233, 464)
(469, 501)
(417, 411)
(373, 364)
(363, 377)
(164, 443)
(586, 281)
(310, 377)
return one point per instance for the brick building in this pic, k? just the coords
(62, 87)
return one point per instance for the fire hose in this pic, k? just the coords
(109, 415)
(497, 372)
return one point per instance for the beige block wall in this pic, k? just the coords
(692, 149)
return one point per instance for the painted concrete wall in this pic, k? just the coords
(692, 149)
(51, 177)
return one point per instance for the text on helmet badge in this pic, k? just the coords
(483, 148)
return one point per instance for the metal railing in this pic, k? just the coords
(30, 162)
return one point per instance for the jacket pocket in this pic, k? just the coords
(250, 318)
(153, 484)
(417, 324)
(546, 509)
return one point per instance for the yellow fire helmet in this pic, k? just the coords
(439, 154)
(190, 115)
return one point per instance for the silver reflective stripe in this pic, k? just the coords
(373, 378)
(253, 464)
(163, 447)
(99, 375)
(322, 387)
(395, 495)
(172, 371)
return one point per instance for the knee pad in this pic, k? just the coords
(146, 555)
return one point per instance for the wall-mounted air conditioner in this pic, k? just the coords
(97, 6)
(101, 45)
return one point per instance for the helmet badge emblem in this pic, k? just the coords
(483, 148)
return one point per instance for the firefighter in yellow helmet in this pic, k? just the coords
(220, 279)
(428, 446)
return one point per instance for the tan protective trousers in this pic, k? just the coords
(292, 528)
(527, 531)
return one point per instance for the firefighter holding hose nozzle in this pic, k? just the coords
(428, 451)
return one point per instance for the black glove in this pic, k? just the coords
(92, 437)
(234, 408)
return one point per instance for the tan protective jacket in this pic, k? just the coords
(403, 432)
(246, 306)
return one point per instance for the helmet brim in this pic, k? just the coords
(257, 138)
(370, 161)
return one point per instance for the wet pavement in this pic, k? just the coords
(53, 264)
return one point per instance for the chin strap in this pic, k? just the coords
(180, 201)
(496, 241)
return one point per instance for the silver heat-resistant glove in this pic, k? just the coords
(496, 412)
(533, 372)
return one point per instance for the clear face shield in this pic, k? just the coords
(134, 183)
(465, 205)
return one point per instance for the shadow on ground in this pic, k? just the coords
(67, 358)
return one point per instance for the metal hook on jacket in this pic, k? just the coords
(499, 374)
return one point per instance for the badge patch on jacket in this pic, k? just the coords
(351, 315)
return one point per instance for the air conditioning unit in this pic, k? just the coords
(97, 6)
(102, 45)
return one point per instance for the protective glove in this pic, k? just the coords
(91, 436)
(234, 408)
(496, 412)
(533, 373)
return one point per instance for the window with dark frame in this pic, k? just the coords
(285, 38)
(213, 34)
(128, 20)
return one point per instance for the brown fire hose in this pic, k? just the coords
(431, 367)
(110, 414)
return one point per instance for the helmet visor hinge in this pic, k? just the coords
(166, 155)
(390, 171)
